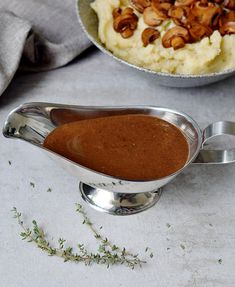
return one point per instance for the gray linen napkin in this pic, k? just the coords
(38, 35)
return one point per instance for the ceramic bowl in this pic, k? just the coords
(89, 22)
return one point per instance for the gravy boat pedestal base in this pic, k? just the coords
(118, 203)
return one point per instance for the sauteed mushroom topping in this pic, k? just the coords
(206, 14)
(175, 37)
(227, 23)
(229, 4)
(228, 28)
(152, 18)
(125, 21)
(117, 12)
(161, 8)
(149, 35)
(184, 2)
(194, 20)
(140, 5)
(198, 31)
(180, 15)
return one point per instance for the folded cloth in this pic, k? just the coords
(38, 35)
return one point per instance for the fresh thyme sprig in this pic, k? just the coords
(102, 256)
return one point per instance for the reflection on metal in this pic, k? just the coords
(217, 156)
(118, 203)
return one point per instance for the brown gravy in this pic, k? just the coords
(132, 147)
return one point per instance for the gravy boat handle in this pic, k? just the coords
(216, 156)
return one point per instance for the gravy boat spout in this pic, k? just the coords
(32, 122)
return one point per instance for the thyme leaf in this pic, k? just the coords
(32, 184)
(168, 225)
(182, 246)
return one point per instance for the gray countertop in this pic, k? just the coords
(198, 205)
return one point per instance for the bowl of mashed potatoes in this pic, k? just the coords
(182, 43)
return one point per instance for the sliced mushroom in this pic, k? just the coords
(207, 15)
(228, 28)
(149, 35)
(203, 2)
(161, 8)
(184, 2)
(151, 18)
(127, 33)
(177, 43)
(140, 5)
(227, 23)
(198, 31)
(125, 22)
(179, 14)
(128, 11)
(229, 4)
(227, 17)
(117, 12)
(175, 37)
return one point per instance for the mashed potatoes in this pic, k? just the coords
(212, 54)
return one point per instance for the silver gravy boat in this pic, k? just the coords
(32, 122)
